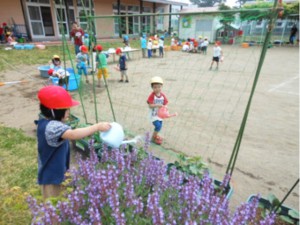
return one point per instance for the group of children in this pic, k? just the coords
(152, 45)
(53, 134)
(83, 64)
(192, 45)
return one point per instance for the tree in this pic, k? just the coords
(226, 17)
(205, 3)
(256, 14)
(289, 9)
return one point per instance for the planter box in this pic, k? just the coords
(72, 121)
(283, 210)
(82, 146)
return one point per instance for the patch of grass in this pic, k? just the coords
(18, 166)
(12, 58)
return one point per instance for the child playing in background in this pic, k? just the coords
(149, 48)
(217, 54)
(161, 46)
(122, 66)
(154, 44)
(199, 43)
(53, 137)
(144, 45)
(101, 60)
(155, 101)
(76, 34)
(56, 70)
(86, 41)
(82, 59)
(204, 46)
(10, 39)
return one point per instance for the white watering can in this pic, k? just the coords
(114, 137)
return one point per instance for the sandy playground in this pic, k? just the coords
(210, 104)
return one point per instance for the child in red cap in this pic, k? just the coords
(101, 60)
(122, 66)
(82, 59)
(53, 138)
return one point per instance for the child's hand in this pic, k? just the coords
(104, 126)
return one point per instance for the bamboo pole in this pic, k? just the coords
(182, 13)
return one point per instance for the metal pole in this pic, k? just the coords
(170, 19)
(283, 31)
(154, 22)
(141, 18)
(119, 19)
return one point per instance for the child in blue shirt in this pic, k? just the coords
(122, 66)
(144, 45)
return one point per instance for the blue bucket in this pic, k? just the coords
(74, 82)
(44, 71)
(29, 46)
(19, 47)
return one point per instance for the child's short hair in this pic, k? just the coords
(54, 114)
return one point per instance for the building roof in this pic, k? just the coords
(170, 2)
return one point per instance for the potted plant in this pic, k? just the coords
(284, 215)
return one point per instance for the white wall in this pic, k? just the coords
(193, 32)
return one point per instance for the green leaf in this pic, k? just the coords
(193, 169)
(293, 213)
(287, 219)
(273, 200)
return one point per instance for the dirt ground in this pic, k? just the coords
(210, 105)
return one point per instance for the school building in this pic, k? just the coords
(43, 20)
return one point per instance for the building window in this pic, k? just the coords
(146, 21)
(61, 16)
(119, 22)
(83, 3)
(160, 20)
(133, 22)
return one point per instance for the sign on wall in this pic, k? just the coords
(186, 22)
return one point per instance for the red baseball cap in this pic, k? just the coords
(99, 48)
(83, 48)
(118, 51)
(56, 97)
